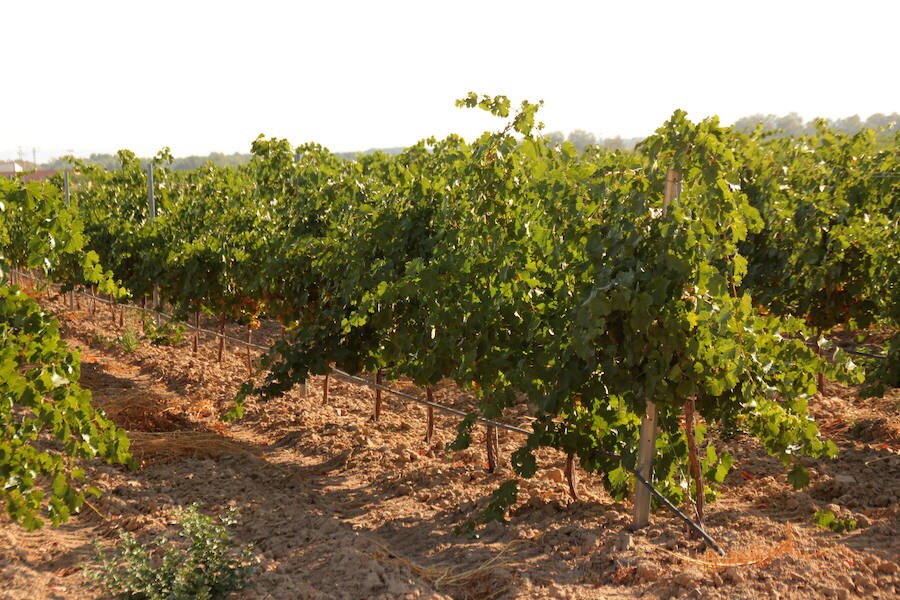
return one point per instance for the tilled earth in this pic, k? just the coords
(340, 506)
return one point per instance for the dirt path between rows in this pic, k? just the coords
(339, 506)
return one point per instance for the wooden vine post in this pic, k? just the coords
(647, 447)
(693, 459)
(493, 449)
(379, 376)
(325, 389)
(196, 332)
(112, 310)
(571, 476)
(429, 428)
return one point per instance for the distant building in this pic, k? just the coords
(10, 169)
(16, 169)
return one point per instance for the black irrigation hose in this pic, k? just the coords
(812, 344)
(665, 501)
(865, 354)
(455, 411)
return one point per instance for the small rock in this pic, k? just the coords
(557, 591)
(648, 572)
(887, 567)
(397, 588)
(845, 479)
(686, 580)
(732, 575)
(862, 520)
(845, 581)
(556, 475)
(589, 544)
(669, 543)
(863, 583)
(625, 541)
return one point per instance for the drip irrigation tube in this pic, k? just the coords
(812, 344)
(455, 411)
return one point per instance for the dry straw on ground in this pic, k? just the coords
(486, 581)
(755, 555)
(173, 444)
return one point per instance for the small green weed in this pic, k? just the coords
(101, 340)
(827, 520)
(170, 333)
(203, 563)
(129, 340)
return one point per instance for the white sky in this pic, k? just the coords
(201, 76)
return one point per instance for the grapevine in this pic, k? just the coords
(40, 399)
(539, 279)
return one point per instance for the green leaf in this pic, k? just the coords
(60, 485)
(618, 478)
(798, 477)
(524, 462)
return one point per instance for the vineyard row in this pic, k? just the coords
(526, 273)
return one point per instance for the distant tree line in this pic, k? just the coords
(788, 125)
(389, 151)
(581, 139)
(793, 125)
(111, 162)
(184, 163)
